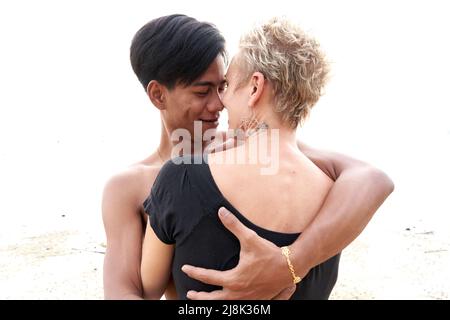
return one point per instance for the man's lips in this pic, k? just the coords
(210, 120)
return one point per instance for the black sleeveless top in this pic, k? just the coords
(183, 210)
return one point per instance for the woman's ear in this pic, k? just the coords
(155, 92)
(256, 87)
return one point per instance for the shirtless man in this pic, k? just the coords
(181, 62)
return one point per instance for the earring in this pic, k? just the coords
(252, 125)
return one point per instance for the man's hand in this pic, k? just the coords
(262, 272)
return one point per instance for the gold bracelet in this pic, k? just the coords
(286, 252)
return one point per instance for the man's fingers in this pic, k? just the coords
(232, 223)
(286, 294)
(213, 295)
(208, 276)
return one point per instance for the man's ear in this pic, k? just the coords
(156, 93)
(256, 87)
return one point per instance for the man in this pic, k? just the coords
(180, 63)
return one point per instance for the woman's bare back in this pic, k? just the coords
(285, 202)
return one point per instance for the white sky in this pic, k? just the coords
(72, 111)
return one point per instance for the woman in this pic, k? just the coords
(272, 83)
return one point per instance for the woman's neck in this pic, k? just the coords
(281, 137)
(276, 127)
(266, 149)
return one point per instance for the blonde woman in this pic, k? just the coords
(272, 83)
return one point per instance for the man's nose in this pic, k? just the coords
(215, 104)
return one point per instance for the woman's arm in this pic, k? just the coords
(155, 265)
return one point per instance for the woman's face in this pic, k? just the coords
(235, 95)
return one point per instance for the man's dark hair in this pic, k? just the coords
(175, 49)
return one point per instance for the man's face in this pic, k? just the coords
(197, 102)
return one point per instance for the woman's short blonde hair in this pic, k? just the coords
(291, 61)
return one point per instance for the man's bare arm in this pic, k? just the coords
(124, 233)
(262, 273)
(358, 191)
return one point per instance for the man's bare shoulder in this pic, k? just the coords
(132, 184)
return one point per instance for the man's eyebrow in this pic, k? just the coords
(203, 84)
(207, 83)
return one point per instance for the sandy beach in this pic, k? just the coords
(67, 264)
